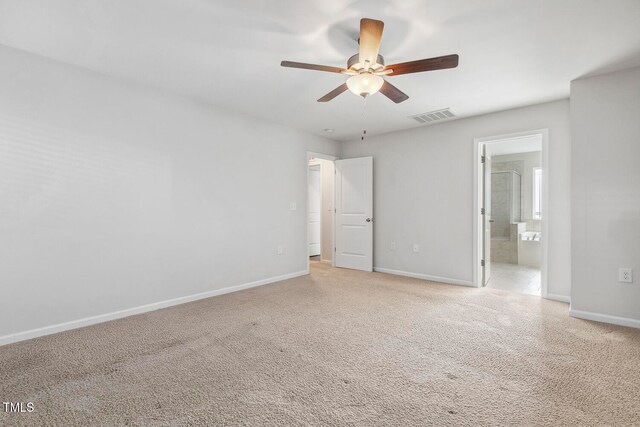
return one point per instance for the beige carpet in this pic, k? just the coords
(335, 348)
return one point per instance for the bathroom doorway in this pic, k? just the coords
(510, 221)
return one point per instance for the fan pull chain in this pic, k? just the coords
(364, 110)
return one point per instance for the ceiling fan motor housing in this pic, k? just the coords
(354, 63)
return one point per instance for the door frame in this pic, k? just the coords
(477, 191)
(316, 155)
(483, 218)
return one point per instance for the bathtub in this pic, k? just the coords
(530, 236)
(529, 249)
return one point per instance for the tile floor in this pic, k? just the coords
(515, 278)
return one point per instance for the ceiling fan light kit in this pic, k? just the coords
(367, 67)
(365, 84)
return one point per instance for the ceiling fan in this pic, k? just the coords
(367, 67)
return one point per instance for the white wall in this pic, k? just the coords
(605, 120)
(423, 192)
(113, 196)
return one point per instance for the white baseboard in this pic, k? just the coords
(605, 318)
(425, 277)
(87, 321)
(561, 298)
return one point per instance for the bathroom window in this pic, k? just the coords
(537, 193)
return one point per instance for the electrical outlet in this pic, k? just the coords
(393, 246)
(279, 250)
(416, 248)
(625, 275)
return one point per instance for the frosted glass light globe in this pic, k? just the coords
(365, 84)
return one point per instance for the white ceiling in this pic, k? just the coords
(512, 52)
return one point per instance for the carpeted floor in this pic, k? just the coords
(338, 347)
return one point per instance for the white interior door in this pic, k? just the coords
(354, 213)
(314, 204)
(486, 218)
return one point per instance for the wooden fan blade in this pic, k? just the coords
(393, 93)
(311, 67)
(370, 35)
(337, 91)
(439, 63)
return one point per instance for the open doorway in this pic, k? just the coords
(511, 250)
(345, 230)
(320, 208)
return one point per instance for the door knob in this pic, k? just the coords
(369, 219)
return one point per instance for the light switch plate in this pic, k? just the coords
(293, 206)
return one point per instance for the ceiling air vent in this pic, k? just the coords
(434, 116)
